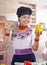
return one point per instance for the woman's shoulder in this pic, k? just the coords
(30, 29)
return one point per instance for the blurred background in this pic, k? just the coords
(8, 17)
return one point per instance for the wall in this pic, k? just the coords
(41, 16)
(12, 17)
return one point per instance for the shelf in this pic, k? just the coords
(34, 13)
(3, 51)
(33, 16)
(32, 26)
(33, 20)
(44, 29)
(33, 10)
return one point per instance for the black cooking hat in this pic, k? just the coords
(23, 10)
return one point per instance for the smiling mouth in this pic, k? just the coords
(26, 22)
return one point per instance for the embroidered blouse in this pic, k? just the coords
(22, 40)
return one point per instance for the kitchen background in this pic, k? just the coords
(8, 16)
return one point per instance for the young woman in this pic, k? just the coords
(22, 37)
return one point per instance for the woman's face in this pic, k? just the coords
(24, 19)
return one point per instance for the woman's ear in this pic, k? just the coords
(19, 19)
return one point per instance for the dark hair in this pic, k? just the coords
(23, 10)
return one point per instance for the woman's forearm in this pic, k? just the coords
(35, 46)
(36, 43)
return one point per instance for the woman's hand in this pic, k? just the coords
(38, 30)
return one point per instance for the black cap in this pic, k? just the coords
(23, 10)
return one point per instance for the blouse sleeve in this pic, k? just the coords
(9, 39)
(10, 36)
